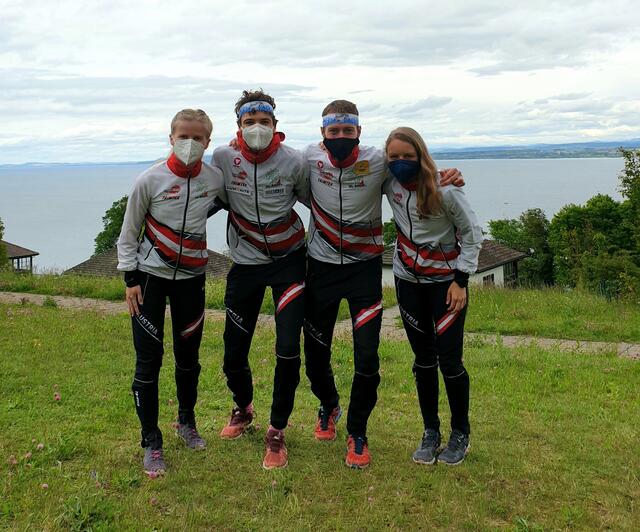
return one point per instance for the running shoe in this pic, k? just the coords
(326, 426)
(241, 419)
(276, 453)
(153, 462)
(428, 450)
(189, 434)
(357, 452)
(456, 449)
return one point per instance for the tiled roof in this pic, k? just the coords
(104, 264)
(492, 255)
(17, 252)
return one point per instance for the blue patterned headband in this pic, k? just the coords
(340, 118)
(253, 107)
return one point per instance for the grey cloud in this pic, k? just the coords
(125, 96)
(571, 96)
(526, 37)
(431, 102)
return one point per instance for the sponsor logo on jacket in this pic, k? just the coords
(171, 193)
(357, 183)
(326, 178)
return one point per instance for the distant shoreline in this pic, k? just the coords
(586, 150)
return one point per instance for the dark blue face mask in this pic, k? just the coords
(404, 171)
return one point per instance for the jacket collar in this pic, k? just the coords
(261, 156)
(180, 169)
(351, 158)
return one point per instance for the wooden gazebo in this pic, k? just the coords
(21, 258)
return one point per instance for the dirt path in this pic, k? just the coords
(389, 331)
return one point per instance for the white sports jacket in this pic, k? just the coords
(261, 191)
(172, 203)
(427, 249)
(346, 206)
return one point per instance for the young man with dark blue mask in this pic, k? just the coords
(345, 247)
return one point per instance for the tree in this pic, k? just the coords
(4, 261)
(630, 190)
(389, 233)
(593, 246)
(529, 233)
(112, 221)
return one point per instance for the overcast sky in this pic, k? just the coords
(100, 80)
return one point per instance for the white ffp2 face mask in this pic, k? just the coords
(257, 136)
(188, 151)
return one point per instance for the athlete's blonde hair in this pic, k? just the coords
(192, 114)
(429, 199)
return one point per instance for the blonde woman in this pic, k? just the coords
(438, 243)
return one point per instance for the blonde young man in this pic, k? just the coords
(170, 200)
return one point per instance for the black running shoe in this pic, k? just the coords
(428, 450)
(456, 449)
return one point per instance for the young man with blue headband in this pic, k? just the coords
(345, 247)
(263, 179)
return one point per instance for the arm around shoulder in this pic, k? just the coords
(459, 211)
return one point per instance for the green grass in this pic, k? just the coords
(554, 442)
(112, 289)
(551, 313)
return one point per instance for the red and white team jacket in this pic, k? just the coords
(261, 190)
(172, 202)
(430, 249)
(346, 205)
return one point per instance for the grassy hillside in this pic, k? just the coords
(553, 442)
(551, 313)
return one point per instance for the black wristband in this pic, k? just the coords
(131, 278)
(461, 278)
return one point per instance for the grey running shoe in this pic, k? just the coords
(457, 448)
(427, 452)
(153, 462)
(189, 434)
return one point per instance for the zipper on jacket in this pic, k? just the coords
(255, 191)
(184, 222)
(340, 221)
(415, 259)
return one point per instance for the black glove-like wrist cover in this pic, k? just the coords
(131, 278)
(461, 278)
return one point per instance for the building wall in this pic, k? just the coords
(498, 276)
(476, 278)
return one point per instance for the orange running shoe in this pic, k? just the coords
(241, 419)
(276, 454)
(326, 425)
(358, 455)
